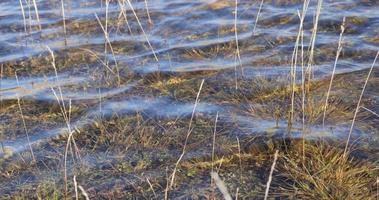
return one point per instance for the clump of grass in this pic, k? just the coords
(118, 133)
(211, 52)
(268, 99)
(324, 174)
(45, 190)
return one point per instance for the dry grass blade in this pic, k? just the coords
(151, 187)
(59, 98)
(148, 12)
(309, 69)
(37, 14)
(98, 59)
(105, 30)
(221, 186)
(370, 111)
(110, 46)
(67, 117)
(123, 14)
(238, 54)
(334, 70)
(23, 122)
(76, 188)
(359, 105)
(271, 172)
(29, 15)
(294, 61)
(187, 137)
(213, 147)
(64, 21)
(84, 193)
(257, 18)
(239, 158)
(143, 31)
(23, 15)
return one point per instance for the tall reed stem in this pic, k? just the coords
(339, 49)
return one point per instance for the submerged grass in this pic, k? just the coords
(136, 148)
(120, 152)
(140, 154)
(143, 144)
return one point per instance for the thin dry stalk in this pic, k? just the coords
(23, 15)
(98, 59)
(76, 188)
(37, 14)
(257, 18)
(359, 105)
(148, 12)
(189, 131)
(302, 16)
(68, 144)
(313, 42)
(106, 28)
(238, 55)
(30, 15)
(271, 172)
(67, 117)
(143, 31)
(370, 111)
(239, 158)
(167, 185)
(293, 78)
(123, 14)
(151, 187)
(111, 48)
(339, 49)
(64, 21)
(23, 121)
(294, 62)
(213, 147)
(221, 186)
(59, 98)
(303, 93)
(100, 104)
(84, 193)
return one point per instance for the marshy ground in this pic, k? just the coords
(143, 100)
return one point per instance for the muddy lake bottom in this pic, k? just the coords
(145, 100)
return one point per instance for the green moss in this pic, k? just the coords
(192, 172)
(143, 164)
(125, 167)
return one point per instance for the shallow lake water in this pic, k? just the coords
(135, 71)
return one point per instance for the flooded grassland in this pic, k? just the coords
(145, 99)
